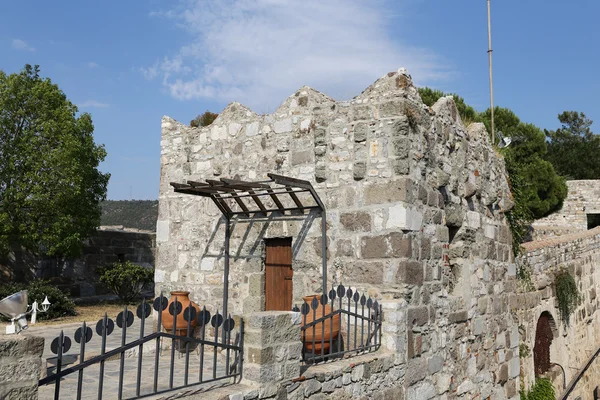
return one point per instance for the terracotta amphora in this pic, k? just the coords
(332, 327)
(167, 318)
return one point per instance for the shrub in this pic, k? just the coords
(61, 305)
(126, 280)
(203, 120)
(567, 294)
(541, 390)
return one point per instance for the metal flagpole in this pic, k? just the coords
(490, 62)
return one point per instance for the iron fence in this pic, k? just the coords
(330, 332)
(218, 359)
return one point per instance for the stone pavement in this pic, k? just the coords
(68, 386)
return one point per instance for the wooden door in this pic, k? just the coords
(278, 274)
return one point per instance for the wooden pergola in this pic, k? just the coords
(276, 197)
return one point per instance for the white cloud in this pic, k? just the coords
(259, 51)
(21, 45)
(92, 65)
(92, 103)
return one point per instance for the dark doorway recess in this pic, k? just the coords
(278, 274)
(593, 220)
(543, 340)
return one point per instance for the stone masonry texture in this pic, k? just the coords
(416, 208)
(20, 366)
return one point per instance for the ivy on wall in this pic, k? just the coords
(541, 390)
(567, 294)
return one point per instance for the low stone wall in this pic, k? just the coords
(79, 276)
(572, 343)
(273, 351)
(20, 365)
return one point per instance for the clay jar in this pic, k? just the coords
(167, 318)
(332, 327)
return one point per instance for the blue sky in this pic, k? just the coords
(129, 63)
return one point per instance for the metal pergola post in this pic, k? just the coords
(226, 269)
(324, 249)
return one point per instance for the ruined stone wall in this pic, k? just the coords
(583, 198)
(574, 343)
(415, 210)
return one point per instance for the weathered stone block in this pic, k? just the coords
(410, 272)
(417, 316)
(370, 272)
(361, 130)
(359, 170)
(459, 316)
(303, 157)
(397, 190)
(416, 370)
(356, 221)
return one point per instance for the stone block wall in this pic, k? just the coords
(415, 211)
(20, 366)
(572, 344)
(583, 198)
(79, 276)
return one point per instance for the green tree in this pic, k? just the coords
(467, 113)
(50, 185)
(204, 119)
(573, 149)
(535, 184)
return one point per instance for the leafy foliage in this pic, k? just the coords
(567, 294)
(541, 390)
(126, 280)
(50, 185)
(203, 119)
(139, 214)
(524, 350)
(534, 182)
(61, 305)
(573, 149)
(467, 113)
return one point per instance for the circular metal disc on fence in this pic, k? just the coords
(356, 297)
(66, 345)
(314, 303)
(305, 308)
(175, 311)
(349, 293)
(189, 314)
(216, 320)
(144, 310)
(376, 305)
(229, 324)
(332, 294)
(110, 326)
(160, 303)
(363, 300)
(341, 290)
(129, 319)
(88, 334)
(369, 303)
(323, 299)
(204, 317)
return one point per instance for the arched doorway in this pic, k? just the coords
(543, 340)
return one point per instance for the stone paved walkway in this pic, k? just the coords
(91, 381)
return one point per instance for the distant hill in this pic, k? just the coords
(140, 214)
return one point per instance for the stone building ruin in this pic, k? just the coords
(415, 214)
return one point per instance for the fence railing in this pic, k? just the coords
(339, 324)
(216, 359)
